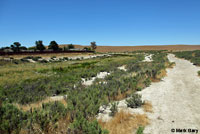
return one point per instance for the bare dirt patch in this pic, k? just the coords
(175, 100)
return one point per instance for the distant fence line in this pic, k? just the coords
(43, 52)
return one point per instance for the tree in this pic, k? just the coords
(23, 48)
(32, 48)
(39, 45)
(53, 45)
(87, 48)
(65, 48)
(70, 46)
(93, 45)
(15, 46)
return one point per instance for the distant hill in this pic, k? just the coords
(133, 48)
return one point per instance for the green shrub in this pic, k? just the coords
(199, 73)
(43, 61)
(147, 82)
(24, 60)
(11, 119)
(65, 58)
(50, 113)
(139, 89)
(28, 57)
(83, 126)
(140, 130)
(192, 56)
(53, 57)
(36, 58)
(134, 101)
(113, 109)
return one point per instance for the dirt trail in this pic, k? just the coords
(175, 100)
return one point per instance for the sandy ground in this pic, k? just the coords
(78, 57)
(148, 58)
(121, 105)
(100, 75)
(122, 68)
(58, 98)
(175, 100)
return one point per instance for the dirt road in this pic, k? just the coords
(175, 100)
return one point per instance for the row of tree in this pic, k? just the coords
(53, 45)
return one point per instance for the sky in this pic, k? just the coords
(108, 22)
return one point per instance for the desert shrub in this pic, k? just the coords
(65, 58)
(134, 101)
(43, 61)
(193, 56)
(28, 57)
(139, 89)
(83, 126)
(78, 59)
(147, 82)
(113, 109)
(140, 130)
(11, 119)
(50, 113)
(24, 60)
(53, 57)
(199, 73)
(36, 58)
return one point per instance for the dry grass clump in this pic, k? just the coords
(121, 96)
(124, 123)
(147, 106)
(162, 74)
(38, 104)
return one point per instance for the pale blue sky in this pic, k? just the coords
(108, 22)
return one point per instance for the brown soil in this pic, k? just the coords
(134, 48)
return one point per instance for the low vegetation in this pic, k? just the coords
(134, 101)
(113, 109)
(140, 130)
(193, 56)
(198, 73)
(27, 83)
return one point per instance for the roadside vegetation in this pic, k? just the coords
(193, 56)
(27, 83)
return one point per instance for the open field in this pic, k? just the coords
(100, 95)
(29, 89)
(104, 49)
